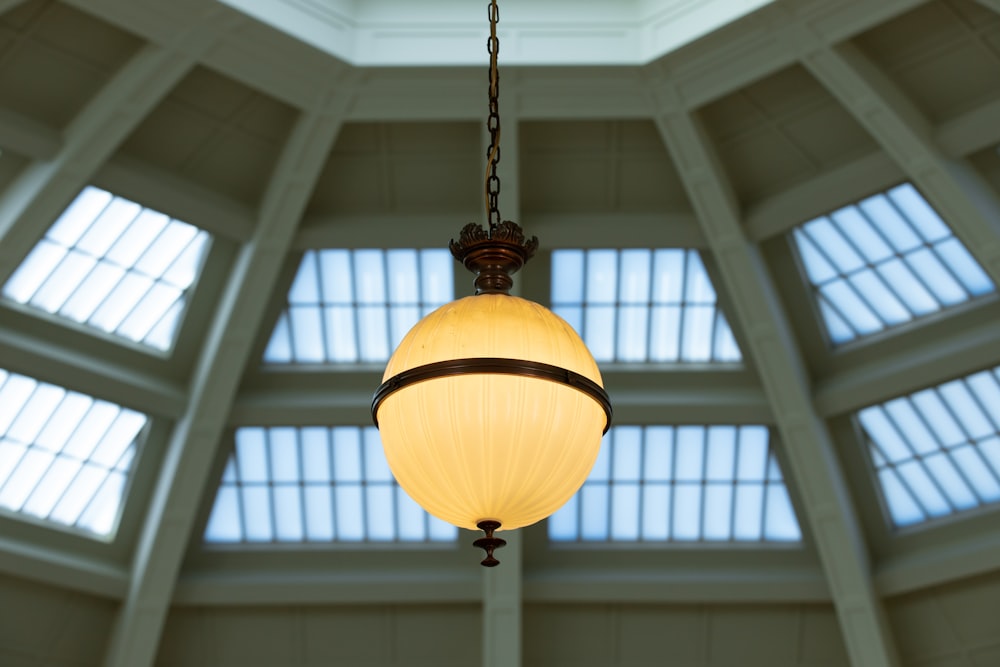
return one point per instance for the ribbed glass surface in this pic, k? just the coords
(681, 484)
(315, 484)
(113, 265)
(64, 457)
(642, 305)
(350, 306)
(937, 452)
(885, 261)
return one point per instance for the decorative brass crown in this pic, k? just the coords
(493, 255)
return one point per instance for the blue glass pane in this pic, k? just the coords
(349, 306)
(919, 213)
(817, 267)
(642, 305)
(315, 484)
(64, 457)
(937, 451)
(834, 246)
(780, 523)
(883, 262)
(686, 483)
(110, 264)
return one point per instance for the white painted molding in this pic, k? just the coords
(454, 32)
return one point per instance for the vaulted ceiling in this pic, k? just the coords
(722, 140)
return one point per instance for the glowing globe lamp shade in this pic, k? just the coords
(491, 409)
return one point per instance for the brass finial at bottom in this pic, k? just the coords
(489, 543)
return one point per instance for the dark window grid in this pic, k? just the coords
(682, 306)
(893, 469)
(366, 520)
(845, 278)
(386, 307)
(354, 297)
(928, 245)
(270, 451)
(995, 376)
(766, 484)
(872, 267)
(971, 440)
(126, 269)
(920, 459)
(84, 462)
(767, 481)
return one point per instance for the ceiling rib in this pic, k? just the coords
(959, 194)
(809, 449)
(26, 136)
(66, 364)
(198, 435)
(61, 567)
(33, 201)
(751, 49)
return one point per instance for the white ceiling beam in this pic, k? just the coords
(733, 58)
(813, 467)
(63, 566)
(217, 585)
(603, 230)
(976, 553)
(826, 192)
(39, 194)
(971, 131)
(502, 615)
(153, 187)
(959, 194)
(177, 196)
(196, 441)
(719, 64)
(458, 584)
(911, 361)
(73, 365)
(613, 583)
(27, 137)
(646, 397)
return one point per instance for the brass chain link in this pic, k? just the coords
(492, 186)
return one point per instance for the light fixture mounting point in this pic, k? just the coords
(489, 543)
(493, 255)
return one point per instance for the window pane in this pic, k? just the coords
(885, 261)
(698, 483)
(350, 306)
(642, 305)
(315, 484)
(932, 449)
(64, 457)
(110, 264)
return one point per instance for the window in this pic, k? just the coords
(642, 305)
(937, 452)
(348, 306)
(681, 484)
(115, 266)
(316, 484)
(884, 261)
(64, 457)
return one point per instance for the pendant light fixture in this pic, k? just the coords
(491, 410)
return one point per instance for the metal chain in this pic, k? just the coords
(492, 186)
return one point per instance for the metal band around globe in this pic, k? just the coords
(493, 366)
